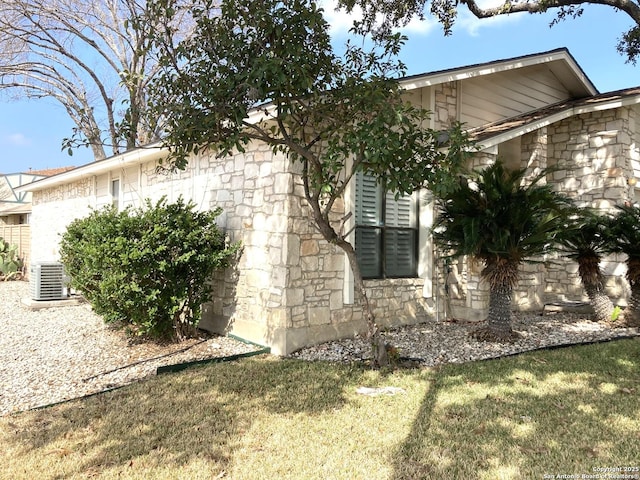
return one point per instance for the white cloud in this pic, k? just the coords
(471, 24)
(341, 22)
(16, 140)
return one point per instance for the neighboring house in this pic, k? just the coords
(15, 207)
(292, 289)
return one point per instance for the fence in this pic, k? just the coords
(19, 235)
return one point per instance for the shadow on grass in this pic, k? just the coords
(173, 420)
(564, 411)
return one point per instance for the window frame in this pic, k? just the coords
(116, 199)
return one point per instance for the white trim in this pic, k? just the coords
(116, 201)
(557, 117)
(425, 241)
(456, 74)
(128, 159)
(348, 287)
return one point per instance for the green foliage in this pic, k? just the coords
(384, 16)
(587, 234)
(10, 263)
(500, 215)
(267, 71)
(616, 313)
(146, 268)
(625, 231)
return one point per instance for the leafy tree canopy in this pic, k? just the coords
(267, 71)
(384, 15)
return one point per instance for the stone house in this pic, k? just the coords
(291, 289)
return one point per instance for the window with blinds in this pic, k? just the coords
(386, 231)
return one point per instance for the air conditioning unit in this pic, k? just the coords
(48, 281)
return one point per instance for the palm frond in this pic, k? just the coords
(496, 213)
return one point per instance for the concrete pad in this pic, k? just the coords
(73, 300)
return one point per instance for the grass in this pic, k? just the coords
(557, 412)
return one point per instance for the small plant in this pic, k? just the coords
(616, 313)
(147, 268)
(10, 263)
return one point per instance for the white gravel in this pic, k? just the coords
(55, 354)
(434, 343)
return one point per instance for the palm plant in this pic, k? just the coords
(585, 240)
(625, 238)
(502, 221)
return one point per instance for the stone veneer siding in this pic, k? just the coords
(596, 154)
(287, 288)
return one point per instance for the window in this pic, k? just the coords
(115, 193)
(386, 231)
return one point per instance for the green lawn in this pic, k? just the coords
(558, 412)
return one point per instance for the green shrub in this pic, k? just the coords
(147, 268)
(10, 263)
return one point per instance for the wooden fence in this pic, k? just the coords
(19, 235)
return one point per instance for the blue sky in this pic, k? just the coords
(31, 132)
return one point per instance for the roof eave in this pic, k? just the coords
(577, 81)
(133, 157)
(502, 137)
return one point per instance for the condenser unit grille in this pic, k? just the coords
(47, 281)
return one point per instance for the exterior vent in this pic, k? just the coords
(47, 281)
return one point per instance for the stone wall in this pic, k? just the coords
(593, 155)
(445, 111)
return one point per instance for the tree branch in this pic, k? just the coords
(630, 8)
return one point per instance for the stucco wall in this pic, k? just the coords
(52, 210)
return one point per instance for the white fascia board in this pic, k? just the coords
(495, 67)
(260, 114)
(556, 117)
(127, 159)
(524, 129)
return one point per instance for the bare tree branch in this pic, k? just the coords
(94, 57)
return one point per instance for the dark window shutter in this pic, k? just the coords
(369, 251)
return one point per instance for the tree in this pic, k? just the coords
(266, 71)
(625, 238)
(92, 57)
(586, 240)
(497, 218)
(384, 15)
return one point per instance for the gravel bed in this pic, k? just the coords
(56, 354)
(434, 343)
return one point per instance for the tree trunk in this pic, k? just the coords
(499, 319)
(593, 283)
(631, 315)
(601, 303)
(379, 354)
(378, 348)
(501, 275)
